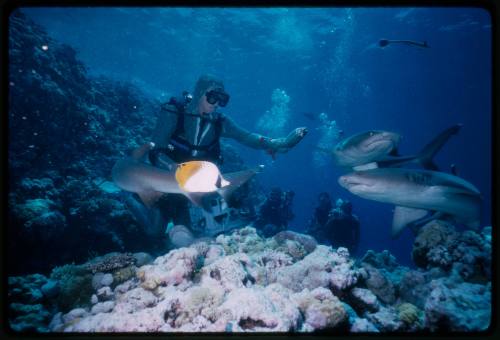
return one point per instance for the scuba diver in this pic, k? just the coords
(337, 227)
(275, 213)
(386, 42)
(189, 128)
(316, 227)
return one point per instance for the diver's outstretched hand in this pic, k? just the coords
(293, 139)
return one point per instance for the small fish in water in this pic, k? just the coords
(385, 42)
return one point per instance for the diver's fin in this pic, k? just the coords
(149, 197)
(141, 152)
(403, 216)
(428, 152)
(236, 179)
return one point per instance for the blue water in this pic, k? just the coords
(327, 60)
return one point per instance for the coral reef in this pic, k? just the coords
(453, 306)
(110, 262)
(467, 254)
(242, 282)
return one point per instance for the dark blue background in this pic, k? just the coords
(327, 60)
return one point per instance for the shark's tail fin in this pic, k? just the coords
(426, 155)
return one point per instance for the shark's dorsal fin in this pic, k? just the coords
(428, 152)
(403, 216)
(236, 179)
(150, 197)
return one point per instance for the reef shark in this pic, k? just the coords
(415, 193)
(199, 181)
(375, 148)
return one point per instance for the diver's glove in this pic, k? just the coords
(293, 138)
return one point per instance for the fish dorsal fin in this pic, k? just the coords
(403, 216)
(149, 197)
(139, 153)
(236, 179)
(428, 152)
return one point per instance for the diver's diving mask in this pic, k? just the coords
(214, 96)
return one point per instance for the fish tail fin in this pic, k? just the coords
(428, 152)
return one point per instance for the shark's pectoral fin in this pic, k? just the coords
(404, 216)
(367, 166)
(150, 197)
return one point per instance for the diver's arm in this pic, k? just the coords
(257, 141)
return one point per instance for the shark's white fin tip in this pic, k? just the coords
(367, 166)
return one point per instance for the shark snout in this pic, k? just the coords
(351, 181)
(346, 181)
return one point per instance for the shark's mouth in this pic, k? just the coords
(352, 183)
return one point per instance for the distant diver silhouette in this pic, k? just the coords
(385, 42)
